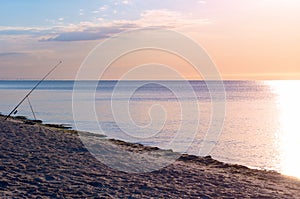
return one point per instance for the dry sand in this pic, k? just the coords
(43, 162)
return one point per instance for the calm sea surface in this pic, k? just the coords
(260, 127)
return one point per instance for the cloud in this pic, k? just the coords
(169, 19)
(160, 18)
(100, 9)
(13, 31)
(77, 36)
(24, 31)
(201, 2)
(81, 12)
(103, 8)
(102, 29)
(94, 33)
(10, 54)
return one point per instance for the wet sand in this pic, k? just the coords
(46, 162)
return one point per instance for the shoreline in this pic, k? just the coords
(69, 128)
(183, 156)
(36, 163)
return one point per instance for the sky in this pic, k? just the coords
(246, 39)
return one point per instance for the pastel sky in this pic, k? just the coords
(246, 39)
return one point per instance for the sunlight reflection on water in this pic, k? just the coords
(288, 102)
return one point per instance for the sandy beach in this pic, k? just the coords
(45, 162)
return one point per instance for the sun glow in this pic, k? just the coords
(288, 100)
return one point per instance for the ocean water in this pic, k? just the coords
(259, 128)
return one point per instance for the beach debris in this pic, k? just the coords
(20, 117)
(59, 126)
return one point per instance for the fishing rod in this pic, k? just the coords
(33, 89)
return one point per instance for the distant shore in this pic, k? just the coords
(51, 162)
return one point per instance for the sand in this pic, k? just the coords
(44, 162)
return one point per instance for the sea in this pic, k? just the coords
(250, 123)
